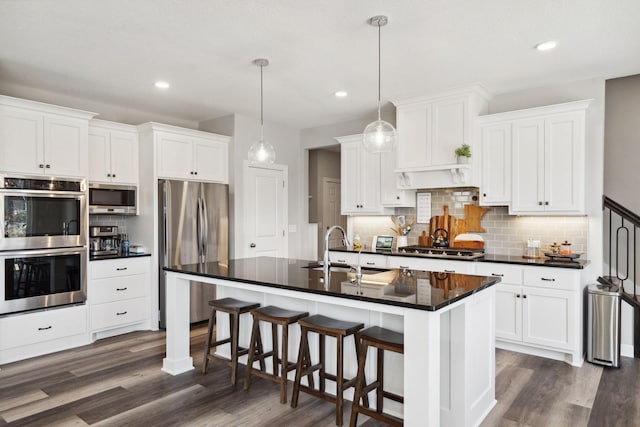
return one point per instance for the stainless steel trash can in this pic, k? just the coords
(603, 325)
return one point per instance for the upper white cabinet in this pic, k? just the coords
(113, 152)
(495, 153)
(360, 178)
(189, 154)
(42, 139)
(391, 183)
(431, 128)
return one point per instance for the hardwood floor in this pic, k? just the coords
(118, 382)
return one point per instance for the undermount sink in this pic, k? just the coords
(344, 268)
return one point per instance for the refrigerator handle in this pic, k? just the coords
(166, 190)
(198, 228)
(205, 231)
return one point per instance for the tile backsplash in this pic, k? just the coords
(505, 234)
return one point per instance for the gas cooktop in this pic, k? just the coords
(440, 252)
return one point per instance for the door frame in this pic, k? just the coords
(244, 238)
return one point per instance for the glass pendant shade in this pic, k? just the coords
(261, 152)
(379, 137)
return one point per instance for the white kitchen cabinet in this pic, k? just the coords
(538, 310)
(360, 178)
(431, 128)
(549, 164)
(495, 163)
(431, 264)
(27, 335)
(118, 293)
(191, 155)
(391, 193)
(42, 139)
(351, 258)
(113, 153)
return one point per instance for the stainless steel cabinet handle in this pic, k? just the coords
(371, 263)
(121, 313)
(404, 266)
(547, 280)
(121, 268)
(342, 261)
(449, 271)
(497, 274)
(252, 245)
(121, 289)
(45, 328)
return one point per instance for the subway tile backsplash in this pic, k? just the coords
(505, 234)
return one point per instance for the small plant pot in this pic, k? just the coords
(463, 160)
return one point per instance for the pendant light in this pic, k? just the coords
(379, 136)
(261, 152)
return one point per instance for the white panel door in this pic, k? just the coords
(99, 156)
(564, 163)
(265, 206)
(548, 317)
(175, 157)
(448, 130)
(124, 158)
(21, 141)
(65, 146)
(528, 166)
(509, 312)
(495, 187)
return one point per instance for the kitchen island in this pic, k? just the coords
(447, 374)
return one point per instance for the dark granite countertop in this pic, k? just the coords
(506, 259)
(421, 290)
(119, 256)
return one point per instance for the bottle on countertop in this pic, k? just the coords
(124, 245)
(357, 244)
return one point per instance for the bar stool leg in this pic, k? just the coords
(322, 371)
(210, 339)
(339, 381)
(380, 380)
(360, 384)
(284, 363)
(255, 334)
(303, 352)
(234, 320)
(274, 348)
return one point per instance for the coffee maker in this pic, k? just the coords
(103, 240)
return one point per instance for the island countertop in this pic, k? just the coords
(421, 290)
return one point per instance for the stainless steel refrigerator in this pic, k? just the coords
(194, 228)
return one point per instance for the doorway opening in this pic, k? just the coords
(324, 191)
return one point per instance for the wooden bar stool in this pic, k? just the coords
(276, 316)
(382, 339)
(323, 326)
(234, 308)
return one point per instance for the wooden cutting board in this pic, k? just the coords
(471, 222)
(443, 221)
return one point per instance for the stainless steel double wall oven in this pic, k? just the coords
(43, 238)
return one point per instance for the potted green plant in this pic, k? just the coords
(463, 153)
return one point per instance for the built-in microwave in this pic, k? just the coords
(109, 199)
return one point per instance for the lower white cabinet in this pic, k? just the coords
(41, 332)
(118, 293)
(351, 258)
(430, 264)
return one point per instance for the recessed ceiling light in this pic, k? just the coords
(341, 94)
(162, 85)
(547, 45)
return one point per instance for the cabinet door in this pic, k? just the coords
(350, 178)
(564, 163)
(390, 194)
(528, 165)
(65, 146)
(369, 178)
(495, 188)
(175, 156)
(414, 145)
(21, 141)
(548, 318)
(509, 312)
(210, 160)
(99, 156)
(124, 158)
(448, 131)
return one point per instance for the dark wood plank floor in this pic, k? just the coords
(118, 382)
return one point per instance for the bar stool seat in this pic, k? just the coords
(234, 308)
(382, 339)
(276, 316)
(323, 326)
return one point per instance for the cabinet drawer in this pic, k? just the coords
(351, 258)
(553, 278)
(428, 264)
(118, 288)
(508, 274)
(113, 314)
(33, 328)
(118, 267)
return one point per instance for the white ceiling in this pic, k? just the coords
(113, 51)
